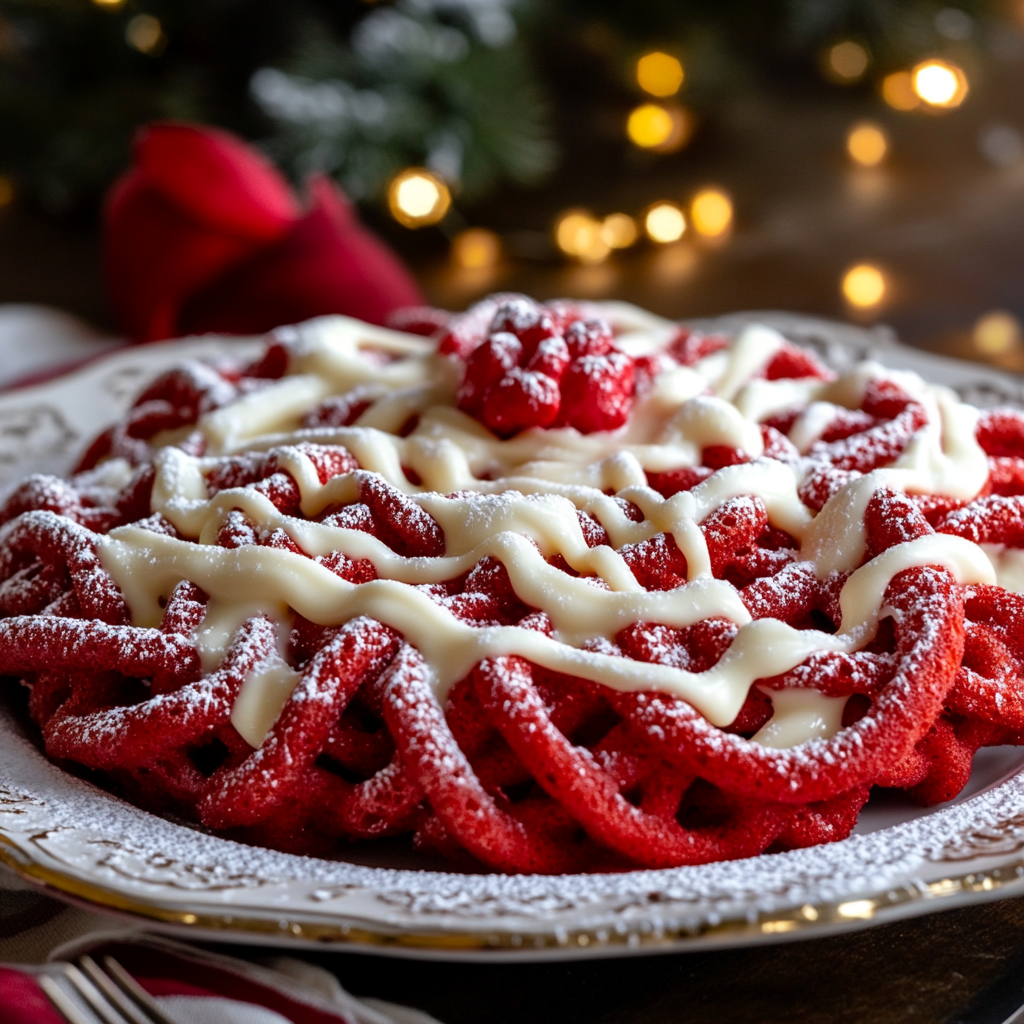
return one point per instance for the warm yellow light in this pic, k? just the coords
(619, 230)
(867, 144)
(145, 34)
(997, 332)
(847, 61)
(476, 249)
(578, 233)
(864, 286)
(661, 128)
(418, 197)
(682, 129)
(939, 83)
(649, 126)
(711, 212)
(898, 91)
(6, 190)
(660, 74)
(109, 3)
(664, 222)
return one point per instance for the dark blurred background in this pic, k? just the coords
(852, 158)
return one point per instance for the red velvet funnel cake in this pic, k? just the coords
(555, 588)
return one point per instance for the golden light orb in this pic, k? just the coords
(109, 4)
(711, 212)
(664, 222)
(867, 144)
(476, 249)
(578, 233)
(649, 126)
(996, 332)
(619, 230)
(6, 190)
(418, 197)
(864, 286)
(145, 34)
(846, 61)
(898, 91)
(939, 83)
(683, 124)
(660, 74)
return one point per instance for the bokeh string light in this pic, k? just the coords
(846, 62)
(997, 333)
(418, 197)
(584, 237)
(867, 144)
(663, 128)
(864, 286)
(578, 234)
(664, 222)
(476, 249)
(660, 74)
(145, 34)
(898, 91)
(619, 230)
(649, 126)
(940, 84)
(711, 212)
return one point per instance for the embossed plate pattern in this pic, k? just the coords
(66, 834)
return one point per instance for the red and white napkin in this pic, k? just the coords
(192, 985)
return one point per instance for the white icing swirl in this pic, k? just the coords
(530, 488)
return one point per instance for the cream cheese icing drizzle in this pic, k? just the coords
(530, 488)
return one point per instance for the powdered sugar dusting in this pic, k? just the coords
(407, 517)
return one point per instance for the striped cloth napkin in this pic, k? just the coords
(190, 984)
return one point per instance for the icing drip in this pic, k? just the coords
(528, 492)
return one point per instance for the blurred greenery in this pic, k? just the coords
(481, 90)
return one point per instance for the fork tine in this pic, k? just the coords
(113, 993)
(59, 1000)
(135, 991)
(104, 1009)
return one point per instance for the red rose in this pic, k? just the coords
(204, 234)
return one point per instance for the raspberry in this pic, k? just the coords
(467, 330)
(423, 320)
(526, 374)
(528, 321)
(486, 366)
(521, 399)
(597, 392)
(690, 347)
(588, 338)
(1001, 432)
(791, 361)
(551, 357)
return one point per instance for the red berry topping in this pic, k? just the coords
(597, 392)
(538, 367)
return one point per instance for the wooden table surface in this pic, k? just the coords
(957, 967)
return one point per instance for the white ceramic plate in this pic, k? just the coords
(66, 834)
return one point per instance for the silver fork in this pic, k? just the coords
(111, 993)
